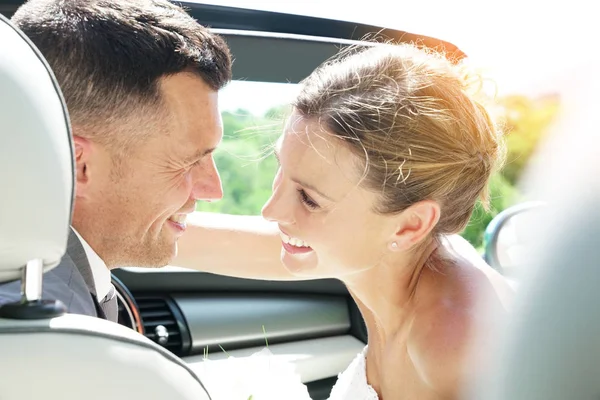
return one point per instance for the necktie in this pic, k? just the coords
(109, 305)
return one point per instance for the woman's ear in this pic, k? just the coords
(83, 152)
(414, 224)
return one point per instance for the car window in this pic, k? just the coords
(254, 114)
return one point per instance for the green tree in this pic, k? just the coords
(245, 161)
(502, 195)
(526, 122)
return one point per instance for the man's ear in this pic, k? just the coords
(414, 224)
(83, 152)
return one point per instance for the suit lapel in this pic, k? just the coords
(77, 254)
(76, 251)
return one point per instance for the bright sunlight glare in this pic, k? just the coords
(523, 46)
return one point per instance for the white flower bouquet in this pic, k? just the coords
(260, 376)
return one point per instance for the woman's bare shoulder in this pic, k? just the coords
(476, 274)
(438, 342)
(454, 307)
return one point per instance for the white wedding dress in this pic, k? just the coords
(352, 383)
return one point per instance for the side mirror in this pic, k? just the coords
(508, 239)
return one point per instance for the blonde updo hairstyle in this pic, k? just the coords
(413, 117)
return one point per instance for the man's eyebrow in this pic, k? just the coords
(304, 184)
(198, 155)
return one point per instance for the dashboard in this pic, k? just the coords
(313, 324)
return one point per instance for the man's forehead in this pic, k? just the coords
(200, 140)
(194, 120)
(192, 145)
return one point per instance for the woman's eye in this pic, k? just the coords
(305, 198)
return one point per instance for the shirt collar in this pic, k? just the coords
(100, 272)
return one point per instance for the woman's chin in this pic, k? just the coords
(304, 265)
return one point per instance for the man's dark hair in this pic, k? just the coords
(109, 55)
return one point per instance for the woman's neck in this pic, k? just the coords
(384, 295)
(384, 292)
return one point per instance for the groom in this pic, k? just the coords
(141, 87)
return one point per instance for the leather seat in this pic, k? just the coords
(45, 353)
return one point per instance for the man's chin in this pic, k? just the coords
(152, 258)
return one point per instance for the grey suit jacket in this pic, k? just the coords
(71, 282)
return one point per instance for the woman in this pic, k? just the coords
(381, 161)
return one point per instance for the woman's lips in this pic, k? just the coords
(294, 245)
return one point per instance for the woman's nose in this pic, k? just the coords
(279, 207)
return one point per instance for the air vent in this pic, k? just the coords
(163, 323)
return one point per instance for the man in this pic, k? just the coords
(140, 79)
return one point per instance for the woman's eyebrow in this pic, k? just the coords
(301, 183)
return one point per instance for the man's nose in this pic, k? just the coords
(207, 183)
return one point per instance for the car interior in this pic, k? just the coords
(183, 315)
(314, 324)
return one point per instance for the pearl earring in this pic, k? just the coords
(394, 246)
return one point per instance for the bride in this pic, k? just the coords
(381, 164)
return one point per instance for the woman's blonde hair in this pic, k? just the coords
(414, 119)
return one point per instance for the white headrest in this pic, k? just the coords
(36, 158)
(550, 350)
